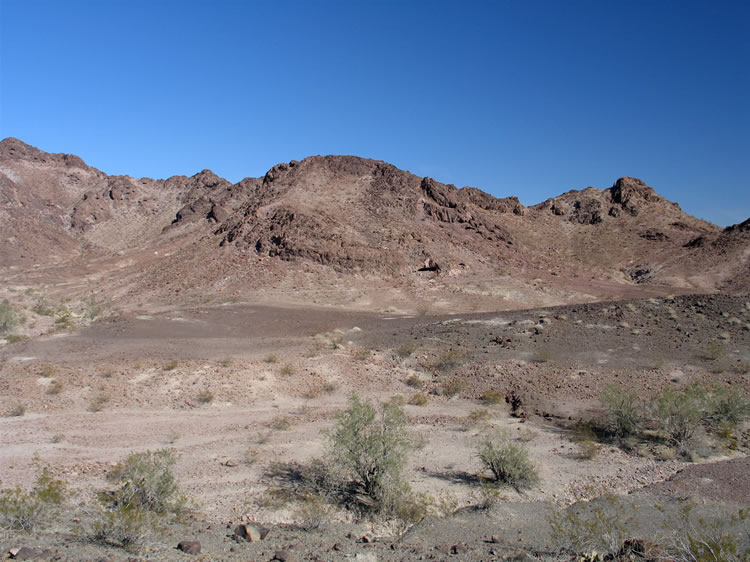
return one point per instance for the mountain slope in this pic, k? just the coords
(353, 216)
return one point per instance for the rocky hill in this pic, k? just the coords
(352, 216)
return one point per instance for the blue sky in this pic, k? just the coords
(524, 98)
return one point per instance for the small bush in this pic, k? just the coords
(271, 358)
(623, 411)
(147, 483)
(46, 370)
(451, 388)
(171, 366)
(205, 396)
(287, 370)
(406, 350)
(726, 407)
(492, 397)
(509, 462)
(371, 444)
(712, 351)
(361, 354)
(17, 411)
(24, 511)
(477, 415)
(9, 318)
(55, 387)
(419, 400)
(413, 381)
(97, 404)
(280, 423)
(680, 413)
(91, 307)
(123, 526)
(329, 387)
(449, 360)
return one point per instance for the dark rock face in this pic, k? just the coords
(587, 211)
(630, 193)
(189, 547)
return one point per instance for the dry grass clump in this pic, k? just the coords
(171, 366)
(413, 381)
(451, 388)
(406, 350)
(419, 399)
(97, 404)
(271, 358)
(361, 354)
(280, 423)
(17, 411)
(55, 387)
(492, 397)
(287, 370)
(205, 396)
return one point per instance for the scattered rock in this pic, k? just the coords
(189, 547)
(250, 532)
(283, 556)
(459, 549)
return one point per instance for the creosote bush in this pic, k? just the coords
(623, 411)
(509, 462)
(371, 444)
(24, 511)
(9, 318)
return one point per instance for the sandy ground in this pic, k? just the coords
(277, 376)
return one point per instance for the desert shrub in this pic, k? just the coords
(287, 370)
(370, 443)
(98, 402)
(42, 308)
(361, 354)
(280, 423)
(680, 413)
(171, 365)
(123, 526)
(24, 511)
(205, 396)
(329, 387)
(406, 350)
(91, 308)
(63, 317)
(712, 351)
(146, 482)
(584, 437)
(600, 526)
(477, 415)
(271, 358)
(449, 359)
(46, 370)
(9, 317)
(413, 381)
(726, 407)
(55, 387)
(492, 397)
(451, 387)
(623, 411)
(419, 399)
(17, 411)
(700, 540)
(509, 462)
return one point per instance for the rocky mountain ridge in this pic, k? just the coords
(360, 217)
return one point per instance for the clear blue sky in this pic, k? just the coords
(524, 98)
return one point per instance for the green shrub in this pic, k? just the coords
(623, 411)
(22, 510)
(509, 462)
(680, 413)
(147, 483)
(9, 318)
(123, 526)
(418, 400)
(370, 443)
(726, 407)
